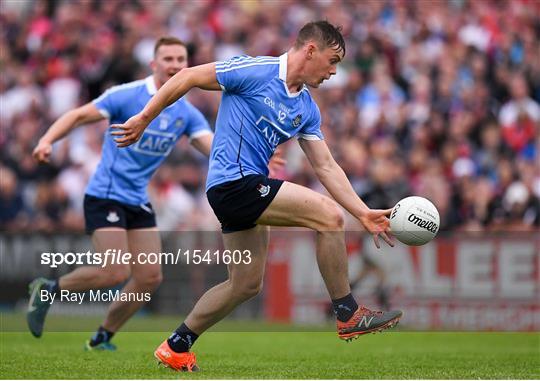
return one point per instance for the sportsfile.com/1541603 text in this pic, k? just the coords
(115, 257)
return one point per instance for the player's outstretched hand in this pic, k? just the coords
(42, 152)
(128, 133)
(377, 223)
(277, 162)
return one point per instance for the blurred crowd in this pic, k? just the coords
(434, 98)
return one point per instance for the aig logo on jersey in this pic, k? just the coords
(156, 143)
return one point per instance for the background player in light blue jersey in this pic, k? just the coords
(266, 102)
(117, 212)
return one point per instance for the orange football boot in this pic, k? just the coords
(182, 362)
(365, 321)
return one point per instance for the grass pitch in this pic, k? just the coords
(284, 355)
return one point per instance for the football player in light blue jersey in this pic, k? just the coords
(265, 102)
(117, 212)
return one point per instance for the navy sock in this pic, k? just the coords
(345, 307)
(383, 298)
(52, 286)
(101, 336)
(182, 339)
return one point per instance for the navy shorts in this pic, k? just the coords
(239, 203)
(103, 213)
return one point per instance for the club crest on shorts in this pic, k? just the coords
(297, 120)
(113, 216)
(263, 189)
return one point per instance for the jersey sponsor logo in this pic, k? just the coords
(271, 131)
(155, 143)
(264, 190)
(112, 217)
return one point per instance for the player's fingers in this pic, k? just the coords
(387, 212)
(41, 155)
(119, 132)
(122, 140)
(388, 239)
(120, 127)
(44, 156)
(126, 144)
(126, 141)
(376, 240)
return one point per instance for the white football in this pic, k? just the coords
(414, 221)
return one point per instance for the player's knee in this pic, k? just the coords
(150, 282)
(156, 280)
(251, 291)
(333, 218)
(119, 275)
(247, 290)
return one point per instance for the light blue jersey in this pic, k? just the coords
(257, 113)
(123, 173)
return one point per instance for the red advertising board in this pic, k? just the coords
(452, 283)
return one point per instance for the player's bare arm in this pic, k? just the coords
(277, 162)
(66, 123)
(335, 181)
(202, 76)
(203, 143)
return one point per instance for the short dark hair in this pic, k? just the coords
(168, 40)
(326, 34)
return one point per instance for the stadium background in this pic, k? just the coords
(434, 98)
